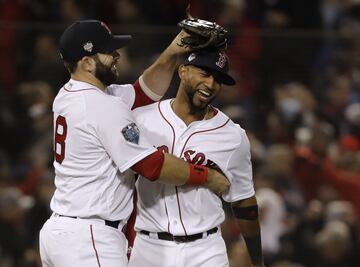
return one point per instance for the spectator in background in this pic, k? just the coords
(346, 153)
(279, 165)
(244, 46)
(331, 14)
(129, 12)
(7, 124)
(337, 96)
(352, 116)
(42, 11)
(46, 64)
(40, 211)
(294, 107)
(272, 221)
(72, 10)
(245, 51)
(314, 167)
(10, 12)
(287, 56)
(333, 246)
(14, 239)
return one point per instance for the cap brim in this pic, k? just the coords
(117, 42)
(226, 79)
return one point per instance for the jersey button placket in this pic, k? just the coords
(179, 142)
(172, 208)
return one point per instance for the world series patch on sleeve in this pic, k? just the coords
(131, 133)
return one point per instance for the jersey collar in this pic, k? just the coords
(75, 85)
(218, 119)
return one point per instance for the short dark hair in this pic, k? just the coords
(71, 66)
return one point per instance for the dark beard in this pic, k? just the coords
(195, 109)
(104, 73)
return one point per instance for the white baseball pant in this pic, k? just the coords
(209, 251)
(74, 242)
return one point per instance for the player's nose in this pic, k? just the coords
(115, 55)
(211, 83)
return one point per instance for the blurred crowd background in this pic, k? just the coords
(297, 63)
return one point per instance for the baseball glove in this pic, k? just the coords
(203, 34)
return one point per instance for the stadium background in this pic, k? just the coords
(297, 63)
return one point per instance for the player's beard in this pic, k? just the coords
(196, 107)
(105, 74)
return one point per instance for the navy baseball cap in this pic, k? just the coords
(212, 60)
(88, 37)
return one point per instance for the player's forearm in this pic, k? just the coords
(168, 169)
(246, 212)
(178, 172)
(158, 76)
(174, 171)
(251, 233)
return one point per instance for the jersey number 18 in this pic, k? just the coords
(59, 139)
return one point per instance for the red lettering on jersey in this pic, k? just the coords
(187, 155)
(59, 138)
(106, 27)
(198, 159)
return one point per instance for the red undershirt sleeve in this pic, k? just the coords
(141, 99)
(150, 167)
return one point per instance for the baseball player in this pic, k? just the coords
(180, 226)
(97, 143)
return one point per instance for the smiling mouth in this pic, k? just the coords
(204, 94)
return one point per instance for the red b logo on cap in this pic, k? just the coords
(221, 61)
(106, 27)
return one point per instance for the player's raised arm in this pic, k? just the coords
(196, 34)
(166, 168)
(158, 76)
(153, 83)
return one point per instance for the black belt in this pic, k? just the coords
(114, 224)
(180, 239)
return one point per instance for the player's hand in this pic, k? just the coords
(217, 182)
(176, 47)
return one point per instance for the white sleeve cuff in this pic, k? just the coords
(148, 91)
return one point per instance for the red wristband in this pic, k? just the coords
(198, 175)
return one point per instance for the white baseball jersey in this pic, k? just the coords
(96, 142)
(186, 210)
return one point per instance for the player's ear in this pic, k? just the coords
(88, 64)
(182, 71)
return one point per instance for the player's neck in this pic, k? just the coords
(184, 112)
(88, 78)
